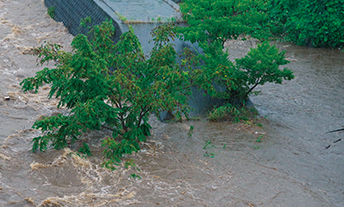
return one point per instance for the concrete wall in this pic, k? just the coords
(71, 12)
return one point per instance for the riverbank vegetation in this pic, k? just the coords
(311, 23)
(307, 22)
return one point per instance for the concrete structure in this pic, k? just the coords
(144, 15)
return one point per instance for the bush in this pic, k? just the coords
(237, 81)
(109, 85)
(225, 112)
(211, 23)
(309, 22)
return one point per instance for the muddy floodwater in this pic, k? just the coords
(296, 163)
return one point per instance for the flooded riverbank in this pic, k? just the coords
(290, 167)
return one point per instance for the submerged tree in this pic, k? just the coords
(112, 85)
(210, 24)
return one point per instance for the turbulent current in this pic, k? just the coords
(296, 164)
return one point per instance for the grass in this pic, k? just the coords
(233, 113)
(51, 12)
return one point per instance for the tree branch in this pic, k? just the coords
(251, 89)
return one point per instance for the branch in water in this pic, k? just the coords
(337, 130)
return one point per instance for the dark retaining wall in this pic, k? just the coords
(71, 12)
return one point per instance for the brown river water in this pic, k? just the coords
(290, 167)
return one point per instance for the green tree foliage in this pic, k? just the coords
(217, 74)
(221, 20)
(314, 23)
(109, 85)
(279, 12)
(221, 78)
(210, 24)
(261, 65)
(317, 23)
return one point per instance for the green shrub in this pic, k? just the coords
(224, 112)
(221, 78)
(232, 113)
